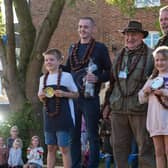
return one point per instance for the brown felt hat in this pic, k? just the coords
(135, 26)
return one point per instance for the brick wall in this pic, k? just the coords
(109, 20)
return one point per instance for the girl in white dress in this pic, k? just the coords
(157, 98)
(34, 154)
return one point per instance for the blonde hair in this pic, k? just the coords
(55, 52)
(19, 142)
(162, 50)
(165, 8)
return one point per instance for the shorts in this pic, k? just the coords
(60, 138)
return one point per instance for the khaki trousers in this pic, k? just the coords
(124, 127)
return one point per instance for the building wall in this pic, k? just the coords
(109, 20)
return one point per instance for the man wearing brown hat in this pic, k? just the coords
(132, 66)
(163, 20)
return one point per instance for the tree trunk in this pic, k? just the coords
(43, 38)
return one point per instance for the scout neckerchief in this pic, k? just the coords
(140, 52)
(58, 101)
(75, 61)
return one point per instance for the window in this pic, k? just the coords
(146, 3)
(152, 38)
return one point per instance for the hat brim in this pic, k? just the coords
(145, 33)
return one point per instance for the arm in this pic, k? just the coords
(106, 110)
(145, 92)
(73, 90)
(40, 151)
(60, 93)
(9, 158)
(109, 90)
(28, 153)
(41, 94)
(161, 92)
(67, 66)
(6, 154)
(105, 64)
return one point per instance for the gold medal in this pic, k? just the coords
(49, 92)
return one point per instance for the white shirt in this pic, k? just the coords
(35, 155)
(67, 81)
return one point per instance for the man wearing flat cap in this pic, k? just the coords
(131, 68)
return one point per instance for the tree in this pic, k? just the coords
(21, 72)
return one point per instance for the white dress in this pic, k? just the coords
(157, 115)
(35, 155)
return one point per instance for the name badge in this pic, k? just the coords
(122, 74)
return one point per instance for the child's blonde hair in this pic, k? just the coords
(19, 142)
(55, 52)
(163, 50)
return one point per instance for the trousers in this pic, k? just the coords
(90, 108)
(124, 128)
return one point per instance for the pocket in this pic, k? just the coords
(116, 101)
(135, 106)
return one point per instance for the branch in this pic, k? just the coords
(10, 74)
(48, 26)
(27, 33)
(43, 38)
(10, 49)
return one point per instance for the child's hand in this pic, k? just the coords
(159, 92)
(42, 96)
(147, 90)
(59, 93)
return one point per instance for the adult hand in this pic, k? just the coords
(91, 78)
(106, 111)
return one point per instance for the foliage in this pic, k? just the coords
(24, 120)
(21, 71)
(4, 129)
(2, 26)
(127, 7)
